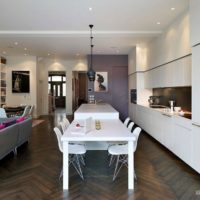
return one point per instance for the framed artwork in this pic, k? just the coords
(101, 82)
(20, 81)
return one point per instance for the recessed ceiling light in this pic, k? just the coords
(172, 8)
(25, 54)
(48, 54)
(25, 49)
(4, 52)
(158, 23)
(77, 54)
(16, 43)
(90, 8)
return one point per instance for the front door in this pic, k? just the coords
(57, 86)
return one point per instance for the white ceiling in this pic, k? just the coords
(60, 27)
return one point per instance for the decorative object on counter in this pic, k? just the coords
(181, 113)
(171, 103)
(154, 100)
(91, 99)
(97, 125)
(91, 73)
(177, 109)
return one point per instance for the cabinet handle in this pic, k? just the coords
(166, 115)
(196, 124)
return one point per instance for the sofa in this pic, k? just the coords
(13, 133)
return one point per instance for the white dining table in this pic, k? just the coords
(111, 130)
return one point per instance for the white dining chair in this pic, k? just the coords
(112, 158)
(121, 152)
(126, 121)
(3, 113)
(75, 151)
(26, 111)
(31, 111)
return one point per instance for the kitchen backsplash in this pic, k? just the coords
(181, 96)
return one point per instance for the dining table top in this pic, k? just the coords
(111, 130)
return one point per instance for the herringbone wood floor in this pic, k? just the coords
(33, 173)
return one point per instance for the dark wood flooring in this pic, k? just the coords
(33, 173)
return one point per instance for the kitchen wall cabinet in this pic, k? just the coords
(174, 74)
(194, 22)
(195, 160)
(196, 84)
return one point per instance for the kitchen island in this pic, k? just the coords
(96, 111)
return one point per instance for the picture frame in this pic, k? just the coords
(101, 82)
(20, 81)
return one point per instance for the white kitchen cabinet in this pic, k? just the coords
(156, 126)
(183, 138)
(174, 74)
(196, 84)
(174, 132)
(194, 22)
(195, 158)
(168, 132)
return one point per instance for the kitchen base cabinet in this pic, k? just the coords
(168, 132)
(195, 160)
(174, 132)
(182, 139)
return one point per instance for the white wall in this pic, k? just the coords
(24, 63)
(68, 66)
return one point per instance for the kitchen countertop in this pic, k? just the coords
(166, 110)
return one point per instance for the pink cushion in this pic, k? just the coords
(21, 119)
(2, 126)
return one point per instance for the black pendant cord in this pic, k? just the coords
(91, 72)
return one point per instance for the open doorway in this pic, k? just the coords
(57, 90)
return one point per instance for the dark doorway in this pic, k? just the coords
(57, 88)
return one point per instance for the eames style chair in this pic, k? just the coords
(127, 121)
(121, 152)
(75, 151)
(26, 111)
(31, 111)
(3, 113)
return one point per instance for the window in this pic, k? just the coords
(56, 78)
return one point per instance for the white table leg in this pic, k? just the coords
(65, 166)
(130, 166)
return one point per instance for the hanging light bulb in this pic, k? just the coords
(91, 73)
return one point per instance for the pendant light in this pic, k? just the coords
(91, 72)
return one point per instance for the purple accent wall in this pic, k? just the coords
(117, 68)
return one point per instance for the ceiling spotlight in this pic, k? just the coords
(172, 9)
(16, 43)
(90, 8)
(77, 54)
(48, 54)
(158, 23)
(25, 49)
(25, 54)
(4, 52)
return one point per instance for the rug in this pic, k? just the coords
(37, 122)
